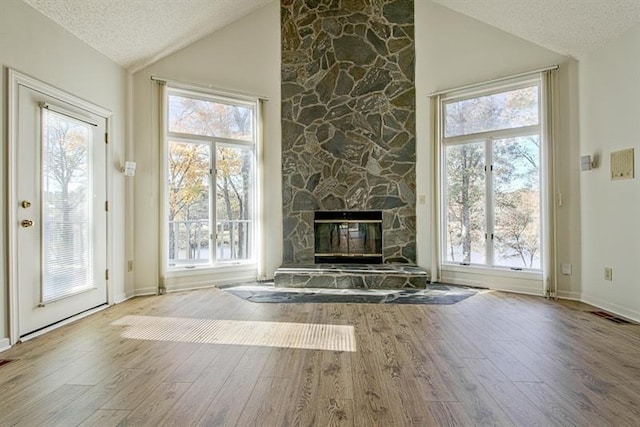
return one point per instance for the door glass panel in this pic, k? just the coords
(233, 189)
(67, 250)
(189, 204)
(517, 202)
(465, 204)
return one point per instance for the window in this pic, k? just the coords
(210, 170)
(491, 146)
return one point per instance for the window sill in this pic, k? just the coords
(220, 268)
(493, 271)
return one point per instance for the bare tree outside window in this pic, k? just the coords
(217, 159)
(515, 231)
(188, 201)
(65, 168)
(517, 201)
(233, 184)
(466, 225)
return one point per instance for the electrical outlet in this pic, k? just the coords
(608, 274)
(566, 269)
(130, 265)
(422, 199)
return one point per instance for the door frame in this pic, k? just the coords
(15, 80)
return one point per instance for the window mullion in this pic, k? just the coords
(213, 194)
(489, 200)
(495, 134)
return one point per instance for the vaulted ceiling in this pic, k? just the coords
(135, 33)
(569, 27)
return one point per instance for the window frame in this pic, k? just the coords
(213, 264)
(487, 138)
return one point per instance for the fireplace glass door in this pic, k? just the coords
(348, 237)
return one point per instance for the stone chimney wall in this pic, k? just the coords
(348, 118)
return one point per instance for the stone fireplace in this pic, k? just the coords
(348, 123)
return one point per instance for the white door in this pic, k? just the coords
(60, 184)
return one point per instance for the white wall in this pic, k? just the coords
(34, 45)
(610, 210)
(454, 50)
(245, 57)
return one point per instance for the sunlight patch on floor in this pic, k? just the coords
(240, 332)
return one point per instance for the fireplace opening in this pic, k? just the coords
(348, 237)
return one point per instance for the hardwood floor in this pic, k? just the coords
(493, 359)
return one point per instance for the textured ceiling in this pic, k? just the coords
(569, 27)
(135, 33)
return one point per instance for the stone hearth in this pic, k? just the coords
(351, 276)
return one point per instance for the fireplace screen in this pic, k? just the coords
(348, 237)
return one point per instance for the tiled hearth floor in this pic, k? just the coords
(433, 294)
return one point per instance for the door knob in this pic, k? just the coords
(25, 204)
(26, 223)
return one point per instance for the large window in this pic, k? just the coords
(492, 178)
(210, 172)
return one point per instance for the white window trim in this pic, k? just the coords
(527, 280)
(217, 267)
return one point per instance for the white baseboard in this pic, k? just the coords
(522, 290)
(144, 292)
(613, 308)
(570, 295)
(4, 344)
(211, 283)
(122, 297)
(483, 284)
(186, 286)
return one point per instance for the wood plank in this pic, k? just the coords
(24, 373)
(560, 407)
(40, 385)
(37, 412)
(449, 414)
(413, 404)
(267, 400)
(195, 401)
(493, 359)
(335, 412)
(481, 407)
(157, 404)
(589, 392)
(303, 392)
(89, 402)
(372, 405)
(191, 368)
(105, 418)
(421, 367)
(505, 362)
(335, 376)
(517, 406)
(283, 363)
(151, 377)
(226, 408)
